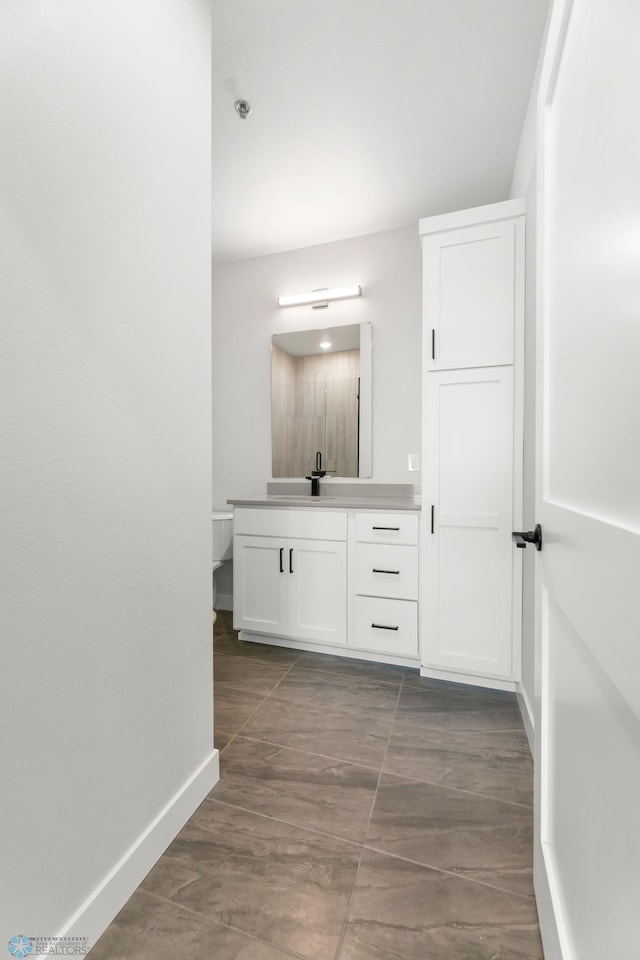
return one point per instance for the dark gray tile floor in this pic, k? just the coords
(362, 813)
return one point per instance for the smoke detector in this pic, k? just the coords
(243, 108)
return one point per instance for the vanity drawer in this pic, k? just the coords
(383, 570)
(397, 527)
(386, 626)
(312, 524)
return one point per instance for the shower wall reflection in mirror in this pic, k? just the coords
(321, 401)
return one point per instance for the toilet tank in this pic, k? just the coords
(222, 536)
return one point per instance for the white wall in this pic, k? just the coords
(526, 156)
(105, 466)
(245, 314)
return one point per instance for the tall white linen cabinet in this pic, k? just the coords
(472, 444)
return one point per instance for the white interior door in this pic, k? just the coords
(588, 491)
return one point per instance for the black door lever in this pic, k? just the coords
(530, 536)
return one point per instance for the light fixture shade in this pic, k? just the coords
(320, 296)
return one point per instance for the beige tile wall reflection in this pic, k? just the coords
(314, 406)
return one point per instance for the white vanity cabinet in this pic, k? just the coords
(473, 308)
(290, 574)
(385, 573)
(342, 581)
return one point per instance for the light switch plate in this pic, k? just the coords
(413, 462)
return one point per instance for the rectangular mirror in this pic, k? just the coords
(321, 401)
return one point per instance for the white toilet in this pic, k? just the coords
(222, 544)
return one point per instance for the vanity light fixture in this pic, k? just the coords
(320, 298)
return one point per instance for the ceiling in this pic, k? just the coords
(366, 114)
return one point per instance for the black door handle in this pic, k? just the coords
(281, 559)
(291, 560)
(521, 539)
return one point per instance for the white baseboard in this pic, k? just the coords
(224, 601)
(527, 715)
(474, 680)
(334, 649)
(553, 931)
(96, 913)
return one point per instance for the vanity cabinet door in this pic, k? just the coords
(291, 588)
(317, 575)
(260, 584)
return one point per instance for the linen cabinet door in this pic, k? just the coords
(471, 295)
(317, 574)
(260, 582)
(468, 582)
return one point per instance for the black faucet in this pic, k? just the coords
(315, 476)
(315, 485)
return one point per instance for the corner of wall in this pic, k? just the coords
(526, 155)
(104, 903)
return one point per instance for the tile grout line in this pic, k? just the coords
(286, 823)
(324, 678)
(446, 787)
(321, 706)
(319, 670)
(261, 704)
(472, 793)
(212, 923)
(311, 753)
(352, 676)
(272, 693)
(264, 698)
(364, 845)
(450, 873)
(345, 922)
(351, 713)
(369, 766)
(319, 833)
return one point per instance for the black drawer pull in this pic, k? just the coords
(381, 626)
(396, 572)
(281, 559)
(385, 528)
(291, 560)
